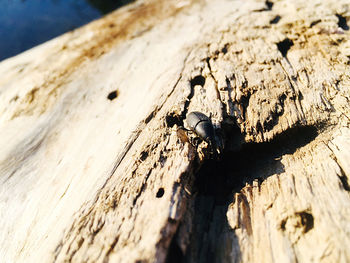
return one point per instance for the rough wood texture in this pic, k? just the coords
(94, 167)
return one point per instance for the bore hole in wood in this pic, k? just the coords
(284, 46)
(160, 192)
(275, 20)
(307, 221)
(269, 5)
(198, 80)
(144, 155)
(224, 49)
(112, 95)
(315, 22)
(342, 23)
(171, 119)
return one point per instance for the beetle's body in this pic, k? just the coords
(202, 126)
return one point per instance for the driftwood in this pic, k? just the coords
(94, 164)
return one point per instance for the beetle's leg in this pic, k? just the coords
(183, 128)
(188, 191)
(182, 135)
(196, 141)
(191, 140)
(214, 151)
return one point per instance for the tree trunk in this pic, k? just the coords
(95, 166)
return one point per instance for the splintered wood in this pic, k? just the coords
(96, 165)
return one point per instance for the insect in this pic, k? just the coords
(200, 124)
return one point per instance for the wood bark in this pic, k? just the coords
(94, 166)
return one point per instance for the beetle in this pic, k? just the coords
(201, 124)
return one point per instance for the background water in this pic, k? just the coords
(27, 23)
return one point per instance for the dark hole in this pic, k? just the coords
(224, 49)
(344, 181)
(275, 20)
(283, 225)
(160, 192)
(172, 119)
(112, 95)
(342, 22)
(175, 254)
(269, 5)
(144, 155)
(315, 22)
(245, 102)
(253, 161)
(284, 46)
(149, 117)
(307, 220)
(300, 96)
(198, 80)
(217, 181)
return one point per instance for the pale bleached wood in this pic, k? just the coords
(87, 179)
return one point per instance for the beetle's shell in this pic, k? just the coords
(201, 125)
(194, 117)
(205, 130)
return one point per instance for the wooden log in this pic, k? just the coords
(95, 166)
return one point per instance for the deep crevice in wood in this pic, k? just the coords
(239, 163)
(175, 254)
(343, 179)
(217, 181)
(345, 182)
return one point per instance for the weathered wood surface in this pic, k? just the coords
(85, 178)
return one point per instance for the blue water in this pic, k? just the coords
(27, 23)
